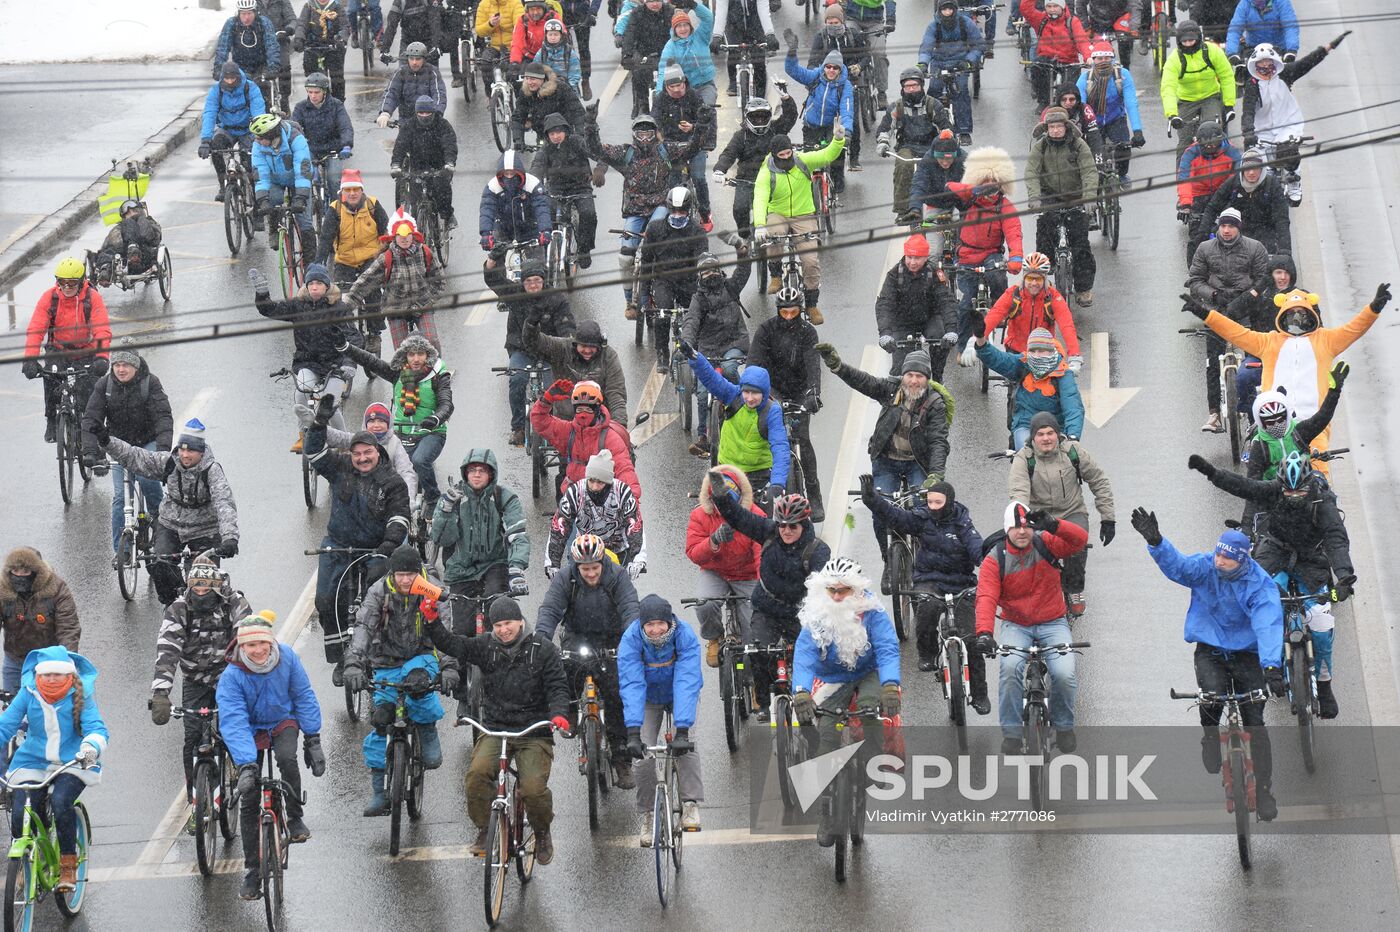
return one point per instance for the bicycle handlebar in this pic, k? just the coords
(181, 712)
(588, 653)
(349, 550)
(1031, 651)
(47, 779)
(1254, 695)
(732, 597)
(504, 734)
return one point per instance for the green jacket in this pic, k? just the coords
(482, 529)
(1204, 73)
(741, 444)
(1063, 171)
(790, 193)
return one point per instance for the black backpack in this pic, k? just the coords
(997, 543)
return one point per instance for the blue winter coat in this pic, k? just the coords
(667, 675)
(1116, 104)
(327, 128)
(52, 740)
(1066, 404)
(516, 214)
(287, 165)
(1276, 24)
(1239, 614)
(231, 111)
(253, 702)
(692, 53)
(945, 48)
(950, 549)
(273, 51)
(563, 58)
(826, 100)
(728, 393)
(812, 662)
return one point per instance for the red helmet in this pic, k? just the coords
(791, 509)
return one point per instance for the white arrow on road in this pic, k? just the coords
(1101, 399)
(811, 777)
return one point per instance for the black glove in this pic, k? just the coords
(1274, 677)
(721, 535)
(867, 487)
(1145, 523)
(771, 41)
(1197, 462)
(431, 423)
(355, 679)
(1381, 299)
(385, 550)
(261, 206)
(298, 45)
(592, 20)
(104, 436)
(1177, 122)
(804, 707)
(1234, 60)
(889, 699)
(1339, 374)
(717, 486)
(1331, 46)
(715, 43)
(1289, 57)
(1106, 531)
(1193, 306)
(812, 402)
(687, 350)
(790, 39)
(986, 645)
(299, 203)
(1041, 521)
(227, 548)
(98, 367)
(160, 706)
(680, 742)
(1139, 140)
(829, 356)
(1344, 589)
(977, 319)
(325, 408)
(775, 492)
(204, 149)
(247, 780)
(313, 755)
(634, 744)
(31, 368)
(89, 460)
(450, 678)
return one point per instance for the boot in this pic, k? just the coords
(1213, 425)
(51, 430)
(814, 314)
(700, 446)
(630, 311)
(826, 837)
(1327, 703)
(252, 885)
(1210, 750)
(378, 804)
(297, 830)
(1066, 740)
(373, 342)
(584, 90)
(1085, 297)
(775, 283)
(1265, 806)
(712, 652)
(1010, 746)
(980, 700)
(583, 260)
(622, 775)
(67, 873)
(927, 662)
(430, 746)
(544, 846)
(457, 80)
(478, 847)
(517, 437)
(647, 829)
(296, 444)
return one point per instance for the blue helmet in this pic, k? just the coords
(1295, 471)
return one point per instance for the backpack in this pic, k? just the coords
(806, 552)
(996, 543)
(773, 173)
(389, 261)
(962, 32)
(1073, 458)
(897, 111)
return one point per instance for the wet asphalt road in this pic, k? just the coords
(343, 878)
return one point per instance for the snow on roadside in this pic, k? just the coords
(106, 30)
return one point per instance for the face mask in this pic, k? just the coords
(660, 641)
(835, 31)
(1235, 573)
(784, 164)
(1042, 366)
(1295, 323)
(712, 282)
(22, 585)
(1276, 427)
(914, 98)
(583, 417)
(425, 121)
(677, 221)
(599, 496)
(206, 602)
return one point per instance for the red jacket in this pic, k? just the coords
(1194, 173)
(1064, 39)
(71, 330)
(737, 559)
(1029, 593)
(985, 226)
(528, 37)
(1031, 313)
(575, 446)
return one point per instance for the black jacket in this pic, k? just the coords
(431, 146)
(367, 509)
(596, 614)
(521, 686)
(327, 128)
(137, 412)
(553, 96)
(910, 303)
(1305, 540)
(669, 111)
(852, 44)
(315, 346)
(950, 549)
(748, 149)
(647, 34)
(1258, 311)
(930, 178)
(929, 433)
(565, 168)
(549, 310)
(1263, 212)
(788, 350)
(672, 253)
(782, 571)
(716, 321)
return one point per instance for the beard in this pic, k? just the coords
(836, 624)
(914, 394)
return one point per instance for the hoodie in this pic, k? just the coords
(55, 737)
(1271, 112)
(514, 206)
(198, 500)
(481, 529)
(737, 558)
(753, 439)
(1060, 171)
(46, 616)
(231, 110)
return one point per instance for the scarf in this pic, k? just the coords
(267, 666)
(53, 694)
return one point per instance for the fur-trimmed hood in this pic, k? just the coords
(547, 89)
(735, 473)
(414, 341)
(27, 558)
(987, 164)
(333, 296)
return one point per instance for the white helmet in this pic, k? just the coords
(843, 571)
(247, 4)
(678, 198)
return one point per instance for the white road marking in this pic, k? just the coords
(198, 406)
(1101, 399)
(30, 223)
(614, 85)
(655, 425)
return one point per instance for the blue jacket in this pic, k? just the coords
(944, 48)
(1276, 24)
(810, 661)
(563, 58)
(52, 740)
(1240, 614)
(327, 128)
(267, 55)
(1116, 103)
(692, 53)
(231, 111)
(727, 392)
(253, 702)
(287, 165)
(1065, 404)
(515, 213)
(950, 549)
(826, 100)
(667, 675)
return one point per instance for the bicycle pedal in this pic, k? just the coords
(694, 828)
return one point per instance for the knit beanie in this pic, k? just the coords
(257, 627)
(504, 608)
(600, 466)
(918, 361)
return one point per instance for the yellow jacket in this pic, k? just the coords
(499, 35)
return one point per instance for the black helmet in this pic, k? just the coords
(1210, 135)
(1188, 30)
(912, 74)
(319, 81)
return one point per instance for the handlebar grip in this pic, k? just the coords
(1177, 695)
(1076, 645)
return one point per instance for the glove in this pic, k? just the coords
(298, 45)
(450, 678)
(882, 149)
(1145, 523)
(488, 243)
(89, 460)
(1289, 56)
(592, 20)
(160, 707)
(382, 120)
(313, 755)
(395, 171)
(1042, 521)
(227, 548)
(889, 699)
(1139, 140)
(1331, 46)
(345, 152)
(299, 203)
(1229, 115)
(790, 39)
(204, 149)
(1336, 377)
(867, 487)
(1234, 61)
(634, 744)
(829, 356)
(430, 610)
(1381, 299)
(1197, 462)
(1344, 589)
(1076, 363)
(1195, 307)
(680, 742)
(261, 206)
(549, 571)
(259, 281)
(1176, 122)
(687, 350)
(636, 568)
(355, 678)
(560, 390)
(775, 492)
(560, 723)
(923, 66)
(247, 780)
(450, 497)
(771, 41)
(889, 26)
(1183, 213)
(385, 550)
(31, 368)
(325, 409)
(518, 586)
(86, 756)
(717, 487)
(1274, 677)
(812, 403)
(1106, 531)
(715, 44)
(721, 535)
(431, 422)
(853, 71)
(986, 645)
(1014, 266)
(977, 319)
(718, 176)
(804, 707)
(104, 436)
(950, 339)
(887, 342)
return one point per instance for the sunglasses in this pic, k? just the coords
(838, 590)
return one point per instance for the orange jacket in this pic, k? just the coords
(1031, 312)
(63, 325)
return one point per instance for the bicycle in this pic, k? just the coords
(238, 199)
(282, 222)
(403, 762)
(939, 220)
(501, 105)
(1158, 40)
(810, 11)
(321, 195)
(846, 802)
(120, 272)
(1025, 40)
(797, 478)
(135, 538)
(594, 753)
(1239, 425)
(1237, 760)
(900, 560)
(414, 195)
(543, 457)
(643, 77)
(865, 107)
(952, 666)
(310, 478)
(982, 304)
(1035, 712)
(363, 36)
(682, 380)
(468, 59)
(824, 198)
(358, 582)
(734, 676)
(561, 256)
(667, 833)
(68, 437)
(274, 840)
(215, 789)
(509, 835)
(1108, 209)
(789, 264)
(1286, 150)
(789, 746)
(34, 857)
(747, 53)
(1064, 255)
(977, 14)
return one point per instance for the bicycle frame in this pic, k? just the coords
(44, 844)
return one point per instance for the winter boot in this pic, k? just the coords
(1210, 750)
(430, 746)
(1327, 703)
(252, 885)
(712, 652)
(584, 90)
(301, 438)
(378, 804)
(826, 834)
(1265, 806)
(67, 873)
(544, 847)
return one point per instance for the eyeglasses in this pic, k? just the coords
(838, 590)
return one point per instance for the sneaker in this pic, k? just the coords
(584, 90)
(733, 91)
(774, 284)
(544, 847)
(981, 702)
(1213, 425)
(712, 652)
(1265, 806)
(478, 846)
(854, 165)
(700, 446)
(990, 52)
(252, 885)
(630, 312)
(1076, 604)
(517, 437)
(219, 198)
(1210, 751)
(583, 260)
(814, 314)
(50, 432)
(622, 775)
(648, 829)
(297, 830)
(191, 825)
(1066, 741)
(690, 816)
(1011, 746)
(1085, 298)
(818, 514)
(296, 444)
(760, 714)
(457, 80)
(338, 674)
(1326, 701)
(927, 664)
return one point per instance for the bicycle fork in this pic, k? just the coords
(1227, 776)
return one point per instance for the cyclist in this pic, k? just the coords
(455, 16)
(130, 402)
(1278, 432)
(944, 161)
(324, 120)
(669, 253)
(647, 30)
(952, 43)
(1047, 474)
(1198, 85)
(909, 128)
(594, 601)
(323, 323)
(376, 19)
(602, 505)
(915, 300)
(1061, 40)
(715, 326)
(390, 645)
(514, 206)
(852, 44)
(194, 636)
(284, 21)
(682, 115)
(1019, 582)
(369, 510)
(786, 346)
(376, 421)
(37, 610)
(783, 203)
(828, 113)
(580, 16)
(583, 356)
(877, 19)
(229, 107)
(547, 311)
(136, 236)
(542, 92)
(69, 319)
(1069, 99)
(352, 232)
(428, 143)
(1303, 541)
(749, 147)
(1035, 304)
(1109, 88)
(1201, 170)
(407, 275)
(563, 164)
(321, 32)
(744, 22)
(1223, 269)
(197, 511)
(523, 683)
(58, 705)
(592, 428)
(1060, 178)
(559, 55)
(726, 566)
(422, 23)
(1233, 620)
(688, 47)
(282, 173)
(1258, 196)
(1043, 380)
(413, 79)
(989, 226)
(658, 669)
(495, 23)
(249, 39)
(789, 551)
(1263, 22)
(1256, 310)
(265, 699)
(528, 35)
(754, 435)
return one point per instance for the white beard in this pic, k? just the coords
(836, 624)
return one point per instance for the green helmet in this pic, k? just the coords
(265, 124)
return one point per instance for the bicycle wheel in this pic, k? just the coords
(271, 852)
(745, 90)
(1239, 795)
(228, 790)
(19, 896)
(166, 276)
(591, 751)
(661, 838)
(1301, 697)
(728, 695)
(1036, 734)
(309, 479)
(1229, 403)
(524, 845)
(856, 830)
(976, 82)
(867, 109)
(354, 703)
(67, 458)
(1160, 30)
(467, 56)
(397, 775)
(840, 803)
(673, 794)
(539, 468)
(206, 817)
(497, 863)
(954, 666)
(366, 44)
(901, 572)
(417, 785)
(75, 444)
(684, 379)
(286, 262)
(500, 119)
(797, 479)
(128, 567)
(639, 329)
(245, 211)
(437, 235)
(233, 217)
(1064, 271)
(786, 748)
